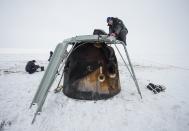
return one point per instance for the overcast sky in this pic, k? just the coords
(152, 24)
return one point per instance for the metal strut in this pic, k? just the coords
(49, 77)
(61, 75)
(123, 60)
(131, 70)
(63, 63)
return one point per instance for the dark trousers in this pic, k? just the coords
(122, 36)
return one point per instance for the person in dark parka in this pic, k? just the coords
(31, 67)
(117, 29)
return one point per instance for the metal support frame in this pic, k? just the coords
(132, 70)
(49, 77)
(56, 60)
(63, 63)
(123, 60)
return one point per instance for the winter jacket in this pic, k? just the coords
(31, 67)
(117, 27)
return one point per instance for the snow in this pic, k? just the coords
(165, 111)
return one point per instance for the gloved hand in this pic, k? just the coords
(112, 34)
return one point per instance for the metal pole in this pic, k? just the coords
(49, 76)
(124, 60)
(58, 89)
(63, 65)
(132, 70)
(60, 79)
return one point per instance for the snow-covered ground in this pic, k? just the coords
(166, 111)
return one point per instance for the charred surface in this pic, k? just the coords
(82, 72)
